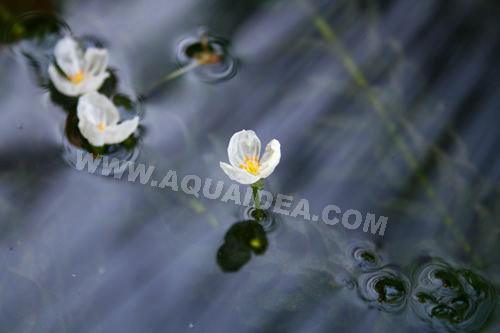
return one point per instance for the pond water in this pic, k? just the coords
(388, 108)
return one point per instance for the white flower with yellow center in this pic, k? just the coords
(83, 72)
(98, 120)
(244, 153)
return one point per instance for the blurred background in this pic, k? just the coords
(386, 107)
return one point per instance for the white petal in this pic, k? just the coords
(270, 159)
(238, 174)
(94, 109)
(62, 83)
(92, 83)
(96, 61)
(91, 132)
(97, 109)
(69, 55)
(68, 88)
(118, 133)
(243, 144)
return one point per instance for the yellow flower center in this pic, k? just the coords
(101, 126)
(251, 165)
(77, 78)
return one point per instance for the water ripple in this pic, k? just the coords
(191, 45)
(453, 299)
(364, 256)
(270, 222)
(385, 289)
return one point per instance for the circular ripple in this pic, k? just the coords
(364, 256)
(385, 289)
(191, 46)
(269, 221)
(36, 26)
(452, 299)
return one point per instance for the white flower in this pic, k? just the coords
(244, 153)
(98, 120)
(84, 72)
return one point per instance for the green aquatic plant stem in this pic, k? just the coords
(172, 75)
(181, 71)
(256, 197)
(329, 34)
(258, 185)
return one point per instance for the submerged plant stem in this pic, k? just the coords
(181, 71)
(172, 75)
(329, 34)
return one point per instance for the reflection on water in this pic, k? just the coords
(386, 107)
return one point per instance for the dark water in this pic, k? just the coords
(385, 107)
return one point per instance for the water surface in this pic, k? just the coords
(385, 107)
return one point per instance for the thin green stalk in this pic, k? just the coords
(258, 185)
(256, 197)
(172, 76)
(329, 34)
